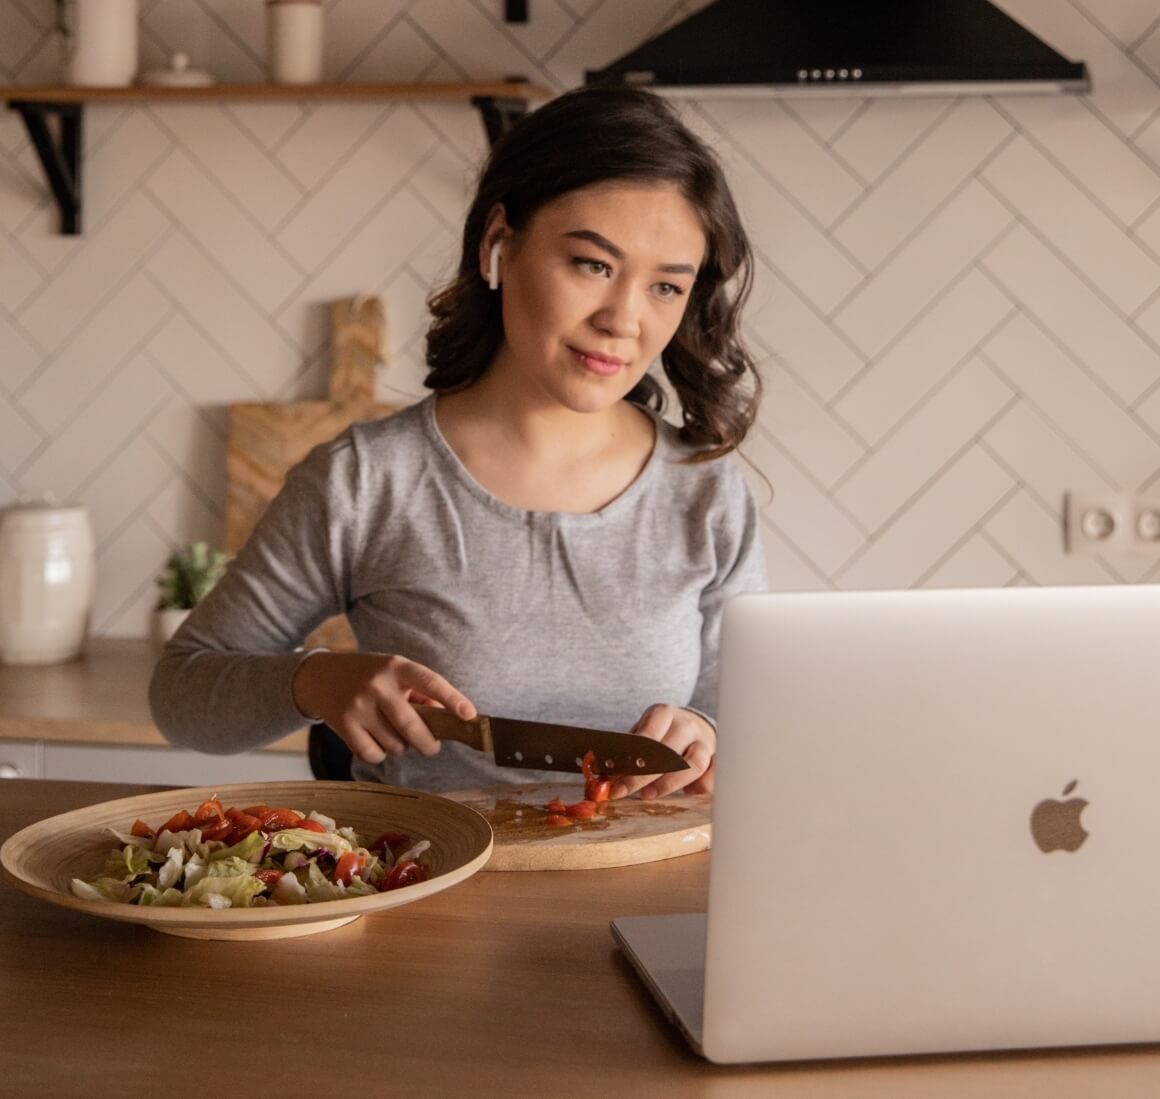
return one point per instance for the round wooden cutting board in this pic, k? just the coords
(625, 831)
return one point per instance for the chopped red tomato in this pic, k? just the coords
(209, 810)
(582, 810)
(270, 876)
(140, 828)
(556, 805)
(243, 825)
(258, 811)
(557, 820)
(597, 788)
(277, 819)
(347, 866)
(216, 829)
(407, 872)
(181, 821)
(310, 825)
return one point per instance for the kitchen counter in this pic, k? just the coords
(101, 699)
(507, 984)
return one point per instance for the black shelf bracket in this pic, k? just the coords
(60, 154)
(499, 114)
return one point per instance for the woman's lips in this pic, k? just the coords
(605, 365)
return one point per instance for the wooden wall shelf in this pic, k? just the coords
(499, 103)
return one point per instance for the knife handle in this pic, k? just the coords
(475, 733)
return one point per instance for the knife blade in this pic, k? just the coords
(543, 746)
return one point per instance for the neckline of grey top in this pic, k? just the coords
(622, 502)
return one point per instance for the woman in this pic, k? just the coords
(531, 540)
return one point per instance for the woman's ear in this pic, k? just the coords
(491, 246)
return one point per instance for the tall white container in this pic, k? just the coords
(294, 41)
(47, 578)
(101, 44)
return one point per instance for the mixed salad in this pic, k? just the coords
(216, 857)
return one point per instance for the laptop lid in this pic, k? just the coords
(936, 823)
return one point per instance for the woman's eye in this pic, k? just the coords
(669, 290)
(592, 266)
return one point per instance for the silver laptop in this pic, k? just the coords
(936, 828)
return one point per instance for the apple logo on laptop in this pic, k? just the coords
(1055, 825)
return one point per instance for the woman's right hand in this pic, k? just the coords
(366, 698)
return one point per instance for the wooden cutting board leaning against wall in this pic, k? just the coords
(266, 439)
(625, 832)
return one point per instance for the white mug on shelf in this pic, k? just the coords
(294, 41)
(100, 42)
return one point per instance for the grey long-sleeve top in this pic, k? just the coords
(579, 618)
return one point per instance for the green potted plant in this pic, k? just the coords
(188, 577)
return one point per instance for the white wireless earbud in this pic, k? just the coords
(493, 267)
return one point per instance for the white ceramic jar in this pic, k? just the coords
(101, 43)
(294, 41)
(47, 578)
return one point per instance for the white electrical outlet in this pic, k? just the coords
(1112, 524)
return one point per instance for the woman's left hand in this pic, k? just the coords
(690, 736)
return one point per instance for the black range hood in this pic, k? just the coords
(849, 47)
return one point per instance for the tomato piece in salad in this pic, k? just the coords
(407, 872)
(211, 809)
(557, 820)
(310, 825)
(140, 828)
(216, 829)
(181, 821)
(347, 866)
(277, 819)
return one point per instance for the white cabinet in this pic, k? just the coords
(161, 766)
(21, 759)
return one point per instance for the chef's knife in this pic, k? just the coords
(541, 746)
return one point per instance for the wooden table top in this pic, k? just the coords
(508, 984)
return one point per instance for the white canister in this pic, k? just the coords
(294, 41)
(47, 577)
(101, 43)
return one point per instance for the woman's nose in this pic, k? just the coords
(619, 314)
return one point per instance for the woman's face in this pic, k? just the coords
(593, 290)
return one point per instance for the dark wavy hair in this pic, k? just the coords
(600, 135)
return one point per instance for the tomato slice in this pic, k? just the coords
(181, 821)
(216, 829)
(582, 810)
(243, 825)
(258, 811)
(270, 877)
(277, 819)
(310, 825)
(557, 820)
(597, 788)
(347, 866)
(209, 810)
(556, 806)
(140, 828)
(407, 872)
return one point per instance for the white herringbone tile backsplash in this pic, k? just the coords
(957, 306)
